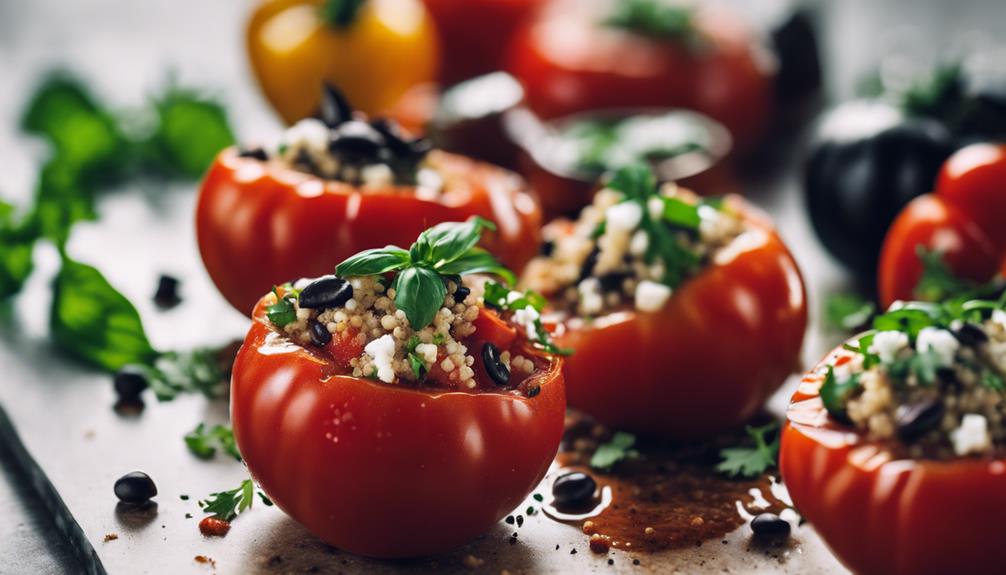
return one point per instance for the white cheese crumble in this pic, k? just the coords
(382, 350)
(651, 296)
(999, 317)
(941, 341)
(526, 317)
(591, 300)
(624, 216)
(972, 436)
(428, 352)
(308, 133)
(377, 176)
(639, 242)
(713, 224)
(655, 207)
(887, 344)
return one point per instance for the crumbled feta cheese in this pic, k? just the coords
(640, 241)
(429, 179)
(309, 133)
(624, 216)
(427, 351)
(887, 344)
(382, 350)
(651, 296)
(589, 290)
(527, 317)
(513, 296)
(999, 317)
(713, 224)
(377, 176)
(972, 436)
(941, 341)
(655, 207)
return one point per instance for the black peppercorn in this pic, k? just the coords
(167, 291)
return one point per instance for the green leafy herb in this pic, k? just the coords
(202, 370)
(500, 297)
(938, 282)
(657, 18)
(204, 442)
(190, 130)
(936, 95)
(94, 322)
(847, 311)
(341, 14)
(992, 380)
(835, 394)
(615, 450)
(226, 505)
(752, 461)
(283, 311)
(681, 214)
(17, 240)
(445, 250)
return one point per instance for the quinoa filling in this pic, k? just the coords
(930, 380)
(633, 245)
(340, 145)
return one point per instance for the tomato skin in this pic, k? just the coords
(570, 62)
(964, 218)
(474, 34)
(885, 515)
(382, 470)
(259, 224)
(709, 359)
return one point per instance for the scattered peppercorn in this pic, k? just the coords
(135, 487)
(183, 497)
(635, 561)
(166, 295)
(520, 521)
(575, 489)
(572, 551)
(611, 561)
(770, 525)
(509, 519)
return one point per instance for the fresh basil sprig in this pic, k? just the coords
(445, 250)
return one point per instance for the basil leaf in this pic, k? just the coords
(282, 312)
(191, 131)
(450, 240)
(17, 240)
(681, 213)
(94, 322)
(836, 394)
(419, 292)
(476, 260)
(373, 262)
(847, 311)
(496, 295)
(636, 181)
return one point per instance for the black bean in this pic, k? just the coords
(574, 489)
(770, 525)
(358, 138)
(613, 281)
(335, 108)
(461, 293)
(129, 383)
(320, 336)
(497, 370)
(948, 378)
(915, 420)
(135, 487)
(588, 264)
(547, 248)
(326, 292)
(971, 335)
(256, 153)
(534, 391)
(167, 291)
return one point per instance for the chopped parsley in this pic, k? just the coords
(502, 298)
(835, 394)
(204, 441)
(617, 449)
(226, 505)
(283, 311)
(847, 311)
(755, 460)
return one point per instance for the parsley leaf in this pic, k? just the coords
(201, 370)
(203, 442)
(835, 394)
(752, 461)
(226, 505)
(938, 282)
(655, 18)
(847, 311)
(617, 449)
(17, 240)
(282, 312)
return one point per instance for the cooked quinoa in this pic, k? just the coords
(608, 258)
(391, 350)
(937, 394)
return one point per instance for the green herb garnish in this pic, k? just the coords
(341, 14)
(204, 442)
(17, 240)
(656, 18)
(835, 394)
(444, 251)
(752, 461)
(499, 297)
(617, 449)
(847, 311)
(226, 505)
(283, 311)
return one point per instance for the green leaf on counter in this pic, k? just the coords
(226, 505)
(204, 441)
(17, 240)
(617, 449)
(755, 460)
(201, 370)
(847, 311)
(95, 323)
(191, 131)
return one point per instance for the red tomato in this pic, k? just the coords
(884, 515)
(388, 470)
(474, 34)
(259, 224)
(709, 359)
(964, 219)
(570, 61)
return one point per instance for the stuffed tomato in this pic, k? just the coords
(684, 314)
(893, 446)
(575, 56)
(387, 409)
(339, 185)
(961, 225)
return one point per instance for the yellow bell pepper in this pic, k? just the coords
(373, 50)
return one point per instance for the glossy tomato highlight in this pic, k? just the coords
(259, 224)
(388, 470)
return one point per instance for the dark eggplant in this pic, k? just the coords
(868, 160)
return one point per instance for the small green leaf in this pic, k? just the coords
(17, 240)
(617, 449)
(847, 311)
(681, 213)
(191, 131)
(204, 442)
(993, 380)
(450, 240)
(283, 311)
(417, 365)
(341, 14)
(636, 181)
(752, 461)
(92, 321)
(474, 261)
(373, 262)
(226, 505)
(657, 18)
(419, 292)
(836, 394)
